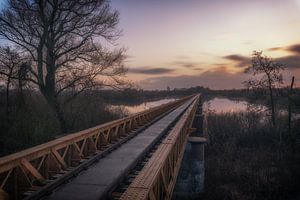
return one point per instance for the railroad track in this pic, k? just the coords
(121, 188)
(100, 179)
(37, 172)
(155, 176)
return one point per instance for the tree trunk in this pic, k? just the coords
(20, 96)
(290, 106)
(7, 96)
(49, 93)
(7, 100)
(61, 119)
(272, 106)
(48, 89)
(291, 136)
(21, 81)
(59, 114)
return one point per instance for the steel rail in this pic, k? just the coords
(157, 178)
(34, 168)
(123, 185)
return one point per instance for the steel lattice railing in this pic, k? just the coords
(32, 169)
(158, 177)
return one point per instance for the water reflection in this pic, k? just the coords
(131, 109)
(219, 105)
(222, 105)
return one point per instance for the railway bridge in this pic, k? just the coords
(136, 157)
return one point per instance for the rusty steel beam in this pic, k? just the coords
(31, 169)
(158, 177)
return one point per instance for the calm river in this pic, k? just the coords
(131, 109)
(220, 105)
(216, 104)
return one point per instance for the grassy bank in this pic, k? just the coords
(245, 160)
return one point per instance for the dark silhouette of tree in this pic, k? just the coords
(10, 62)
(64, 41)
(269, 76)
(290, 103)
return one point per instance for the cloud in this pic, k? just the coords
(198, 69)
(189, 65)
(150, 71)
(236, 57)
(290, 62)
(275, 49)
(295, 49)
(184, 61)
(241, 61)
(217, 79)
(186, 64)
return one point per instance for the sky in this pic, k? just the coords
(187, 43)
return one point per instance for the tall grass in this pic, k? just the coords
(34, 123)
(245, 160)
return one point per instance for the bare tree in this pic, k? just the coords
(269, 76)
(10, 62)
(64, 41)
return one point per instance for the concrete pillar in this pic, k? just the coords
(190, 180)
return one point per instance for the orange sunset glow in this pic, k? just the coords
(187, 43)
(150, 99)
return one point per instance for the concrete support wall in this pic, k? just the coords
(190, 180)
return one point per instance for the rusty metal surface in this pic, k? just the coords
(26, 172)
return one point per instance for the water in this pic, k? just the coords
(225, 105)
(220, 105)
(131, 109)
(216, 104)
